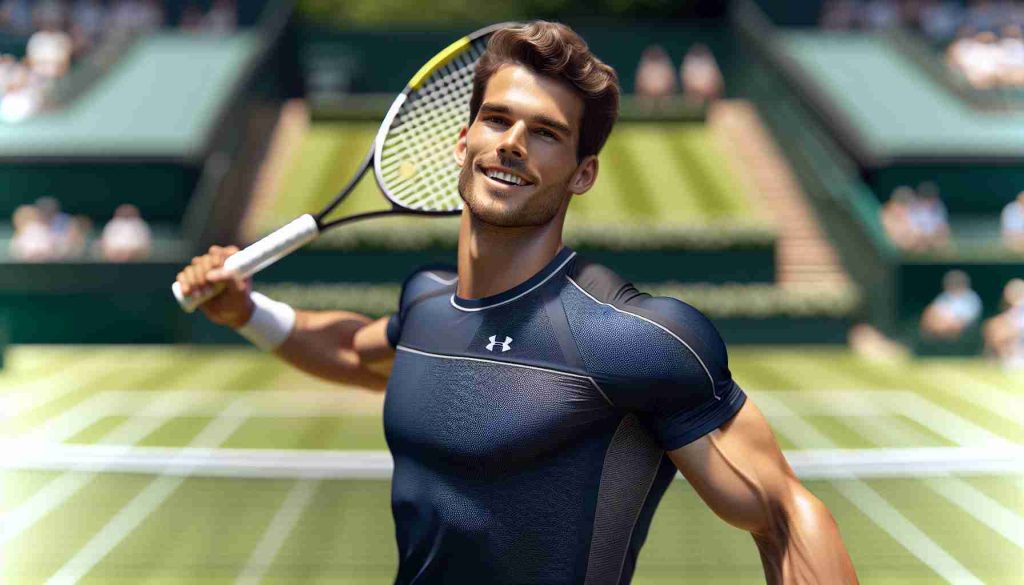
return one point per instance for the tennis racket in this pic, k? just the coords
(411, 157)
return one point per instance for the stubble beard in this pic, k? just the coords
(537, 210)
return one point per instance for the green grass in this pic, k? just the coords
(671, 173)
(207, 528)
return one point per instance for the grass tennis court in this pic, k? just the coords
(650, 173)
(186, 421)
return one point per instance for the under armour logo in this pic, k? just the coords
(505, 345)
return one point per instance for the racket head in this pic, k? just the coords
(414, 164)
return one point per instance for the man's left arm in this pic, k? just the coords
(740, 472)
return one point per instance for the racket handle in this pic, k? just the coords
(256, 257)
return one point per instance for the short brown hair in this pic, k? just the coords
(555, 50)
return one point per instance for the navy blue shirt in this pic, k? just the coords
(529, 428)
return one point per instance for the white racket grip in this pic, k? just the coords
(257, 256)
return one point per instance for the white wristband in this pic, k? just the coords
(270, 324)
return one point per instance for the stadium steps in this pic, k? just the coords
(805, 259)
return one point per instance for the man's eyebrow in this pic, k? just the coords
(538, 119)
(552, 123)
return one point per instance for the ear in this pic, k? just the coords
(460, 146)
(585, 176)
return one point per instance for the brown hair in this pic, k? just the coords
(555, 50)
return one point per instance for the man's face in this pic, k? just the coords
(518, 156)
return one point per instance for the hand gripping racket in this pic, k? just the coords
(411, 158)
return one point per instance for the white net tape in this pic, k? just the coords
(416, 167)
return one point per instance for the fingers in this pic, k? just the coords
(205, 270)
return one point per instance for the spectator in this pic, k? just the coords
(48, 52)
(655, 75)
(32, 241)
(16, 16)
(191, 17)
(49, 14)
(896, 218)
(57, 222)
(939, 20)
(1004, 333)
(88, 17)
(8, 70)
(23, 95)
(838, 15)
(137, 15)
(880, 14)
(221, 18)
(1011, 54)
(72, 245)
(126, 237)
(702, 80)
(955, 309)
(987, 60)
(929, 218)
(1012, 220)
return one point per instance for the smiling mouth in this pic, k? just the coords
(504, 177)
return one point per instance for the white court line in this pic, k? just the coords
(143, 504)
(264, 403)
(324, 403)
(875, 507)
(942, 421)
(824, 402)
(982, 394)
(983, 508)
(69, 423)
(889, 519)
(333, 464)
(956, 491)
(41, 391)
(62, 488)
(277, 531)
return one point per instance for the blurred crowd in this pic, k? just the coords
(982, 39)
(1012, 224)
(988, 59)
(959, 308)
(44, 233)
(939, 20)
(59, 32)
(699, 76)
(916, 220)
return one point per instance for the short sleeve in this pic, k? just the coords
(421, 284)
(656, 357)
(693, 391)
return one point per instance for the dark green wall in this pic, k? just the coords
(710, 266)
(966, 189)
(382, 61)
(95, 188)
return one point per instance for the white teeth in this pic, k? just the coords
(507, 177)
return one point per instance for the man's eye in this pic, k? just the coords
(546, 133)
(495, 120)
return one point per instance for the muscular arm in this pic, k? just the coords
(340, 346)
(335, 345)
(739, 471)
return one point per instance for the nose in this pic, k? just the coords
(513, 142)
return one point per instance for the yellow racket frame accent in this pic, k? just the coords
(440, 60)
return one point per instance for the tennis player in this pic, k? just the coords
(538, 406)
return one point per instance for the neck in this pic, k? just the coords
(495, 259)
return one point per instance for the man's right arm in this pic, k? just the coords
(340, 346)
(335, 345)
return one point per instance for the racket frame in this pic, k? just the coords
(299, 232)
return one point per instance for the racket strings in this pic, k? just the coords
(416, 165)
(433, 115)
